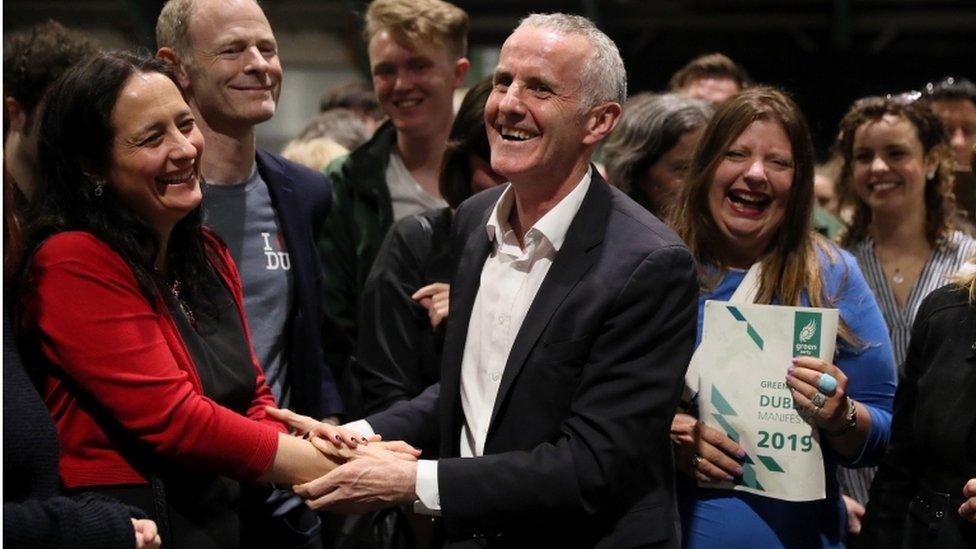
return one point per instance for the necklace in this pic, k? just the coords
(897, 278)
(187, 312)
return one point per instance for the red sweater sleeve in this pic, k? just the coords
(95, 325)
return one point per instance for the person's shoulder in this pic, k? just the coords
(949, 299)
(371, 156)
(297, 172)
(636, 224)
(834, 260)
(71, 245)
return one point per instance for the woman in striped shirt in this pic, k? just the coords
(897, 180)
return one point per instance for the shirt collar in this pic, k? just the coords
(553, 226)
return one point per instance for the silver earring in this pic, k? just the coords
(931, 175)
(99, 187)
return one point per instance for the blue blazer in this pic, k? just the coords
(577, 452)
(302, 198)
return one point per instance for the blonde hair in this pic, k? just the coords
(966, 278)
(172, 28)
(315, 153)
(420, 21)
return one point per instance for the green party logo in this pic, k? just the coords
(806, 333)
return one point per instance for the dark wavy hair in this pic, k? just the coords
(940, 202)
(74, 148)
(468, 137)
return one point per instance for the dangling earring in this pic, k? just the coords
(931, 175)
(99, 186)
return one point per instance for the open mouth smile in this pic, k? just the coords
(515, 134)
(178, 178)
(747, 202)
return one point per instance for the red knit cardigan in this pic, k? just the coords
(102, 338)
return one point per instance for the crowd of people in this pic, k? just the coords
(488, 315)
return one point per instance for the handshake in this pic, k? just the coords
(366, 473)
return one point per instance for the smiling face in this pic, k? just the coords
(234, 78)
(535, 117)
(415, 85)
(889, 165)
(154, 165)
(750, 189)
(662, 181)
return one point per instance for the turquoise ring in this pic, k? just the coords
(827, 384)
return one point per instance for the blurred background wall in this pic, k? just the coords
(827, 52)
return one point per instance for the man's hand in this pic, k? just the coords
(374, 479)
(436, 299)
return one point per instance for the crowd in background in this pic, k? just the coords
(173, 291)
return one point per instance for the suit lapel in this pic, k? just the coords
(573, 260)
(464, 289)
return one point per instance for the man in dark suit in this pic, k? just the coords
(571, 325)
(267, 209)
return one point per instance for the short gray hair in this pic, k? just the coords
(172, 28)
(603, 75)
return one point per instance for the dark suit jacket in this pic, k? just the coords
(301, 198)
(933, 433)
(577, 453)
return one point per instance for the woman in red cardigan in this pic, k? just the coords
(135, 312)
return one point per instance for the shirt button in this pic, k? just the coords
(495, 376)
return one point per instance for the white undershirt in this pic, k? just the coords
(406, 195)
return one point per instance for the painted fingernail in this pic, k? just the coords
(338, 438)
(741, 453)
(739, 471)
(364, 439)
(795, 359)
(729, 478)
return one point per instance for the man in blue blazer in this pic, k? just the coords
(267, 209)
(572, 323)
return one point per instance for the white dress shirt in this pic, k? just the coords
(510, 279)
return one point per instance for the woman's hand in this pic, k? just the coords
(855, 514)
(398, 448)
(804, 379)
(968, 508)
(704, 453)
(307, 427)
(147, 537)
(436, 299)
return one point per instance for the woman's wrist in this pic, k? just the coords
(847, 423)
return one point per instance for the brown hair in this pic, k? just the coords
(940, 202)
(710, 65)
(411, 21)
(791, 264)
(467, 138)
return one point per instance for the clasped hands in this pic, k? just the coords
(709, 455)
(373, 474)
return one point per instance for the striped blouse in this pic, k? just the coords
(945, 262)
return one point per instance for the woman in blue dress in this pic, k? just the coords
(747, 201)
